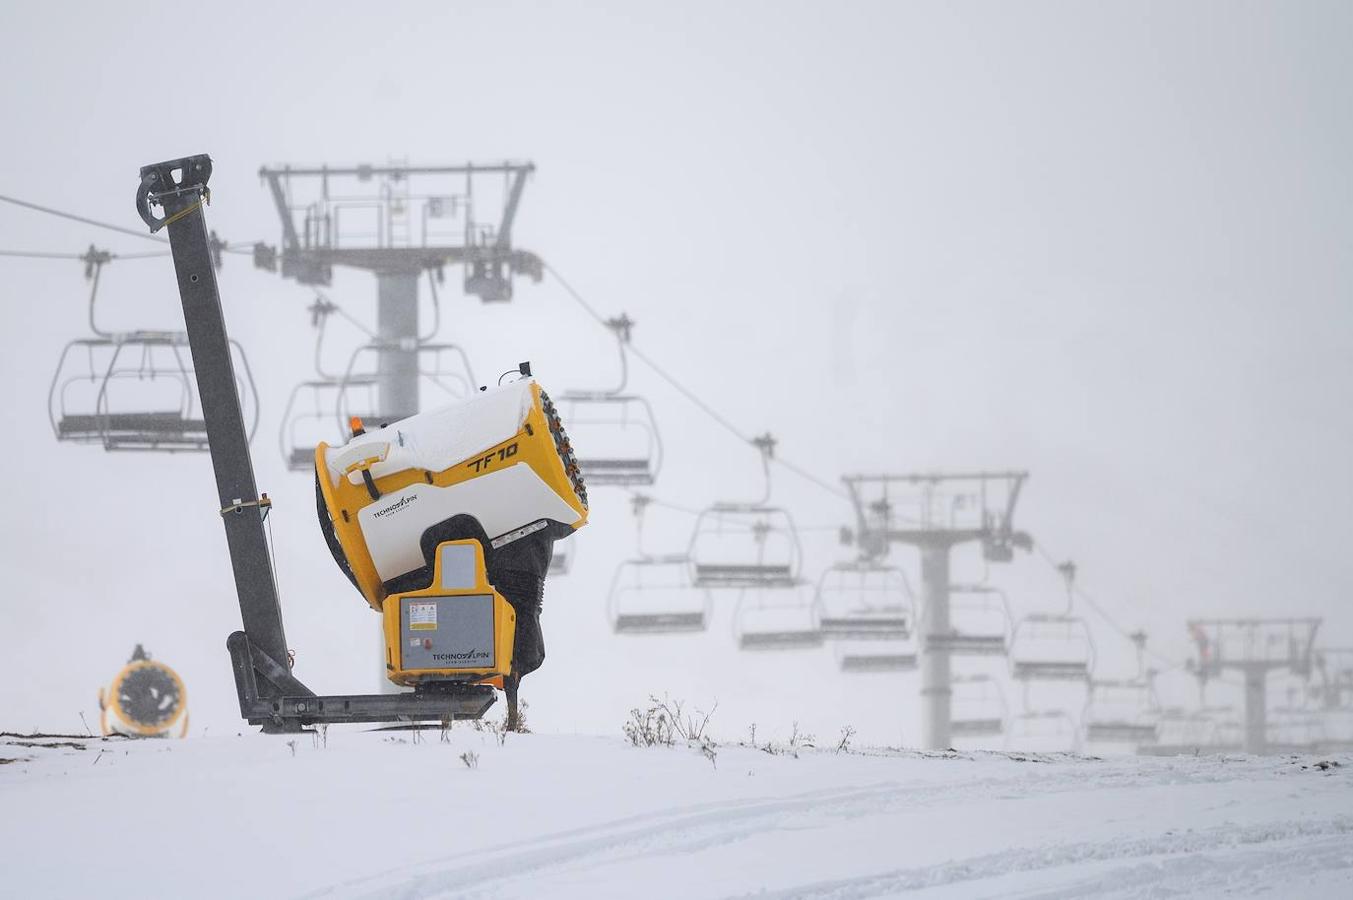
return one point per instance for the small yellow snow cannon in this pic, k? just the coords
(146, 699)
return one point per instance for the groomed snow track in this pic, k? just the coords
(388, 815)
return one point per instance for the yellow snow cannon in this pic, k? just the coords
(403, 504)
(146, 699)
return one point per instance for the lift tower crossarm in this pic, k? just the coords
(269, 694)
(364, 171)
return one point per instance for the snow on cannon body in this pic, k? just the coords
(446, 521)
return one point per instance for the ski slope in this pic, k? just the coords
(394, 814)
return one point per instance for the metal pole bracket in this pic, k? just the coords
(169, 180)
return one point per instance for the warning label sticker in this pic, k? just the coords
(422, 616)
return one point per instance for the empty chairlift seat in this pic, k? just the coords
(1051, 647)
(1043, 731)
(777, 618)
(978, 708)
(1188, 731)
(864, 600)
(315, 412)
(615, 433)
(321, 409)
(877, 655)
(979, 623)
(615, 437)
(744, 546)
(1121, 712)
(1295, 729)
(654, 595)
(136, 391)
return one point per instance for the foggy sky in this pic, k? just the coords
(1109, 243)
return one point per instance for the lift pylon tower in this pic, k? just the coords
(934, 512)
(1254, 647)
(398, 221)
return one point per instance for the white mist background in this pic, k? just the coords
(1107, 243)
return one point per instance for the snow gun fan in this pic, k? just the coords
(446, 521)
(146, 699)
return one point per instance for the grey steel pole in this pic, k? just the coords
(936, 686)
(1256, 709)
(240, 507)
(397, 332)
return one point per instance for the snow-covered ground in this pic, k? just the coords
(372, 814)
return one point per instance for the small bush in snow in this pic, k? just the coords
(664, 722)
(470, 758)
(650, 727)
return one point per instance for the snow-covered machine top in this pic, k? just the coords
(498, 467)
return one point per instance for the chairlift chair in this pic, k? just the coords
(1053, 646)
(136, 391)
(874, 655)
(311, 413)
(1293, 728)
(979, 618)
(978, 707)
(865, 600)
(1206, 727)
(616, 430)
(1048, 731)
(746, 545)
(445, 367)
(654, 595)
(777, 618)
(1121, 712)
(617, 436)
(1337, 724)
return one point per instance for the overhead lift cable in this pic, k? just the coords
(37, 254)
(1127, 634)
(688, 393)
(97, 224)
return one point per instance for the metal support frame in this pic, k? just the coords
(935, 531)
(270, 695)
